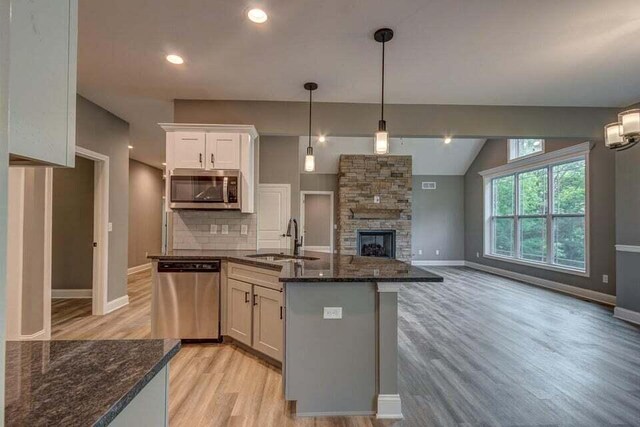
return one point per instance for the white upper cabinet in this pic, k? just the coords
(223, 151)
(189, 150)
(42, 81)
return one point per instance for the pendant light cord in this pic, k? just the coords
(382, 98)
(310, 106)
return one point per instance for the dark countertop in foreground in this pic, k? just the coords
(323, 268)
(78, 383)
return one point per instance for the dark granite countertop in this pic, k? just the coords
(78, 383)
(322, 268)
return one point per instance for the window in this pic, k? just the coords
(537, 214)
(520, 148)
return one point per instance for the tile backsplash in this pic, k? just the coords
(192, 230)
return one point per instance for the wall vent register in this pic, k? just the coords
(428, 185)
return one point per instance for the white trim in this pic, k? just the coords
(438, 263)
(324, 249)
(117, 303)
(41, 335)
(389, 286)
(549, 284)
(335, 414)
(224, 128)
(47, 253)
(71, 293)
(100, 229)
(627, 315)
(303, 194)
(15, 252)
(139, 268)
(627, 248)
(538, 160)
(389, 407)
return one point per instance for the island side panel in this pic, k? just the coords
(331, 363)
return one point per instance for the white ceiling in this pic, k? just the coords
(431, 156)
(489, 52)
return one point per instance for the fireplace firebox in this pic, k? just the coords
(377, 243)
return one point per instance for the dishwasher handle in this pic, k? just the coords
(189, 267)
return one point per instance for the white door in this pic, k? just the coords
(274, 207)
(223, 151)
(188, 150)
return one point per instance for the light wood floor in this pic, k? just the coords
(476, 350)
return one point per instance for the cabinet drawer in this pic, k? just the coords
(255, 275)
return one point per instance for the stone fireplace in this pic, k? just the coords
(374, 206)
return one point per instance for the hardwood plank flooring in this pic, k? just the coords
(476, 350)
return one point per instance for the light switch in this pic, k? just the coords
(332, 313)
(225, 229)
(244, 229)
(213, 229)
(110, 227)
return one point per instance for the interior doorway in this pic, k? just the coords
(316, 220)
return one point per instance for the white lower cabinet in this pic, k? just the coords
(255, 317)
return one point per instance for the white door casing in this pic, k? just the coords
(330, 230)
(274, 210)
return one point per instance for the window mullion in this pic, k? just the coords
(549, 215)
(516, 213)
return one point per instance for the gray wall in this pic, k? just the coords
(146, 189)
(5, 14)
(602, 215)
(100, 131)
(279, 165)
(72, 229)
(628, 227)
(345, 119)
(438, 218)
(317, 220)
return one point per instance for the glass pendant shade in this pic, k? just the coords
(381, 142)
(309, 161)
(613, 135)
(630, 121)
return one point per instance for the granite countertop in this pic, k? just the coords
(78, 383)
(317, 267)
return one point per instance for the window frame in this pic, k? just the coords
(510, 149)
(539, 161)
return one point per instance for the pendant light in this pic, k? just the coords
(309, 159)
(381, 139)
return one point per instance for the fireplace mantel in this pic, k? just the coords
(375, 213)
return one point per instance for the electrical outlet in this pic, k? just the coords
(225, 229)
(419, 251)
(605, 278)
(477, 254)
(376, 199)
(213, 229)
(110, 227)
(437, 251)
(332, 313)
(244, 229)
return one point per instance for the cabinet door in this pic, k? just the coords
(267, 322)
(223, 151)
(188, 150)
(239, 311)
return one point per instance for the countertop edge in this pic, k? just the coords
(359, 280)
(128, 397)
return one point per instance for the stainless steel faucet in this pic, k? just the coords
(296, 244)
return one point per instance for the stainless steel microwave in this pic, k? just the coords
(200, 189)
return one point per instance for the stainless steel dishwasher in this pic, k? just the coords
(185, 300)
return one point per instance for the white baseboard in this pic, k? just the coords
(40, 335)
(336, 414)
(389, 407)
(139, 268)
(325, 249)
(438, 263)
(549, 284)
(71, 293)
(117, 303)
(627, 315)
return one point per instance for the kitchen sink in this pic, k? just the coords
(281, 257)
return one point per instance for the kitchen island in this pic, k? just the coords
(88, 383)
(340, 326)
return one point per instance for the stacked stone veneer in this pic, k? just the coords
(360, 178)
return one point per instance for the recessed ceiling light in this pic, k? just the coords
(175, 59)
(447, 140)
(130, 147)
(322, 138)
(258, 16)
